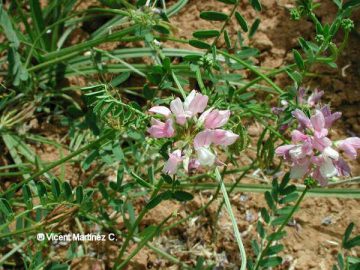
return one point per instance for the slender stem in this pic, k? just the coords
(225, 23)
(178, 85)
(254, 70)
(286, 221)
(233, 220)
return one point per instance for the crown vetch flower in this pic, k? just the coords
(312, 153)
(173, 162)
(160, 129)
(196, 136)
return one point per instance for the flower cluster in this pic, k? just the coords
(195, 135)
(312, 153)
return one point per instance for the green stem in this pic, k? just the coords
(254, 70)
(286, 221)
(233, 220)
(225, 23)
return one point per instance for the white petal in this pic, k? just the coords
(327, 168)
(332, 153)
(188, 100)
(205, 156)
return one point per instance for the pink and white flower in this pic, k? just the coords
(312, 153)
(160, 129)
(173, 162)
(203, 138)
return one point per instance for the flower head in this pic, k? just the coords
(311, 152)
(198, 135)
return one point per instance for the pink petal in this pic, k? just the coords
(354, 141)
(203, 138)
(224, 137)
(217, 118)
(298, 171)
(315, 97)
(284, 150)
(172, 163)
(161, 110)
(348, 148)
(318, 121)
(302, 118)
(198, 104)
(160, 129)
(297, 136)
(318, 177)
(177, 109)
(193, 164)
(342, 167)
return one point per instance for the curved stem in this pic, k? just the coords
(286, 221)
(233, 220)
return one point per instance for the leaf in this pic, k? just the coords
(338, 3)
(38, 21)
(260, 229)
(103, 190)
(141, 181)
(289, 198)
(227, 39)
(206, 34)
(79, 192)
(213, 16)
(161, 29)
(270, 261)
(182, 196)
(228, 1)
(67, 191)
(41, 190)
(288, 190)
(89, 159)
(255, 247)
(27, 196)
(199, 44)
(166, 195)
(5, 208)
(353, 242)
(265, 215)
(55, 188)
(347, 233)
(278, 221)
(241, 21)
(351, 4)
(284, 181)
(269, 200)
(256, 5)
(199, 263)
(274, 249)
(254, 28)
(340, 260)
(7, 26)
(276, 236)
(123, 77)
(16, 71)
(298, 60)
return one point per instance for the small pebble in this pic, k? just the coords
(327, 221)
